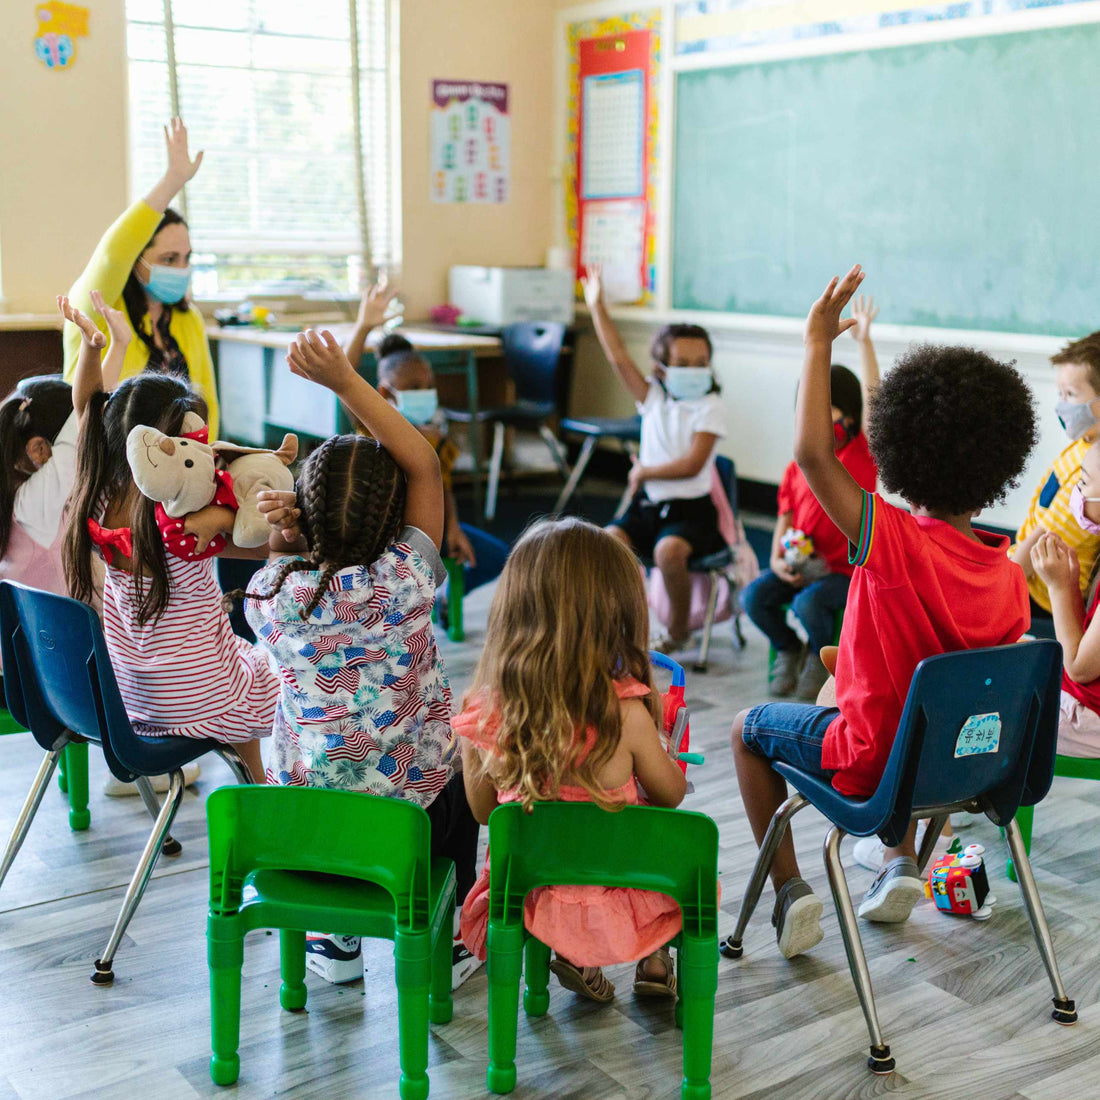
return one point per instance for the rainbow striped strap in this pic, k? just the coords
(859, 553)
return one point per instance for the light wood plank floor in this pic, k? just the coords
(965, 1005)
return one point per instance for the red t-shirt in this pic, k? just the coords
(1089, 693)
(796, 497)
(922, 588)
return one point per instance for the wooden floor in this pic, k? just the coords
(965, 1005)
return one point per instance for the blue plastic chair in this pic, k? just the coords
(924, 778)
(61, 685)
(628, 432)
(532, 357)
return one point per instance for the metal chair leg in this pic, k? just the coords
(570, 488)
(495, 464)
(708, 622)
(1065, 1011)
(236, 764)
(879, 1060)
(30, 808)
(928, 843)
(556, 451)
(103, 973)
(171, 846)
(731, 946)
(628, 496)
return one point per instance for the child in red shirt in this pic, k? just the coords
(818, 588)
(925, 582)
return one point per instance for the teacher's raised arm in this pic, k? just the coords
(142, 266)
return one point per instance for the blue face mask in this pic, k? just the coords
(168, 284)
(417, 406)
(688, 383)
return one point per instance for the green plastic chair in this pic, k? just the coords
(456, 593)
(297, 858)
(672, 851)
(72, 773)
(1065, 767)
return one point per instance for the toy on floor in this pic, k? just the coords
(185, 473)
(957, 883)
(798, 553)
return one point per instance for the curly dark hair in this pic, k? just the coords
(352, 496)
(951, 428)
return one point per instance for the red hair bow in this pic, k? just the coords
(111, 539)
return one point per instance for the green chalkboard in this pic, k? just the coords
(964, 175)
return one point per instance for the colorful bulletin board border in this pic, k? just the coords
(713, 26)
(649, 20)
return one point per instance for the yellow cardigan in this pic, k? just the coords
(107, 272)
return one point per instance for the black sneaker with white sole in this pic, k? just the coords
(796, 918)
(338, 959)
(896, 889)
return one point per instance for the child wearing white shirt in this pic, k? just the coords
(671, 517)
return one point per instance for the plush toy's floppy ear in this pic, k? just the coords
(192, 422)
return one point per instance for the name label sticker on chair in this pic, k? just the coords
(981, 733)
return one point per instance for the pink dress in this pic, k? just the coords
(185, 674)
(589, 925)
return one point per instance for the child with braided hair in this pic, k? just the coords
(365, 703)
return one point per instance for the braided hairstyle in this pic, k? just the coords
(352, 496)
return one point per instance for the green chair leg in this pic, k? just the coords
(505, 959)
(75, 757)
(536, 976)
(1025, 818)
(697, 961)
(412, 954)
(292, 969)
(456, 592)
(225, 955)
(441, 1006)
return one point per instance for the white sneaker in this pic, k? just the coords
(338, 959)
(115, 788)
(963, 820)
(868, 851)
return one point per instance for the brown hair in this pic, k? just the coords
(103, 475)
(352, 496)
(569, 618)
(1085, 352)
(665, 337)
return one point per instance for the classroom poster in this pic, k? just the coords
(471, 142)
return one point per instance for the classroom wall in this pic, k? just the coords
(63, 136)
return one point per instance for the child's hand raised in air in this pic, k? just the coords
(864, 311)
(318, 357)
(1056, 562)
(824, 325)
(376, 300)
(92, 336)
(118, 324)
(592, 281)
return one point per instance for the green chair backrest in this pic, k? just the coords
(381, 840)
(674, 852)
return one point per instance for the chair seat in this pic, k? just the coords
(160, 755)
(521, 415)
(626, 428)
(720, 559)
(857, 817)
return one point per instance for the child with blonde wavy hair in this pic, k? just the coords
(563, 709)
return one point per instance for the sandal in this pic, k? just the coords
(646, 987)
(588, 981)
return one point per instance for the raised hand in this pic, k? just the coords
(318, 357)
(592, 281)
(864, 311)
(118, 324)
(92, 336)
(280, 510)
(376, 300)
(181, 167)
(824, 325)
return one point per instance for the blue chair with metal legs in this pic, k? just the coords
(628, 432)
(941, 763)
(60, 683)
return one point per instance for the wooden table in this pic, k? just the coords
(261, 399)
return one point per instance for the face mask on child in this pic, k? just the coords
(688, 383)
(168, 284)
(1076, 417)
(843, 434)
(1077, 502)
(417, 406)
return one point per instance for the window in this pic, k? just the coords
(284, 202)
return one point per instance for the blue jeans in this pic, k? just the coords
(491, 555)
(791, 732)
(815, 606)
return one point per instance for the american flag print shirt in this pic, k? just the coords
(365, 703)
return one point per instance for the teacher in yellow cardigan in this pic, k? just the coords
(142, 266)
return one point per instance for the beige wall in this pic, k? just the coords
(62, 153)
(63, 175)
(506, 41)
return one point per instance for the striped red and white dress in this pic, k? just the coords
(187, 674)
